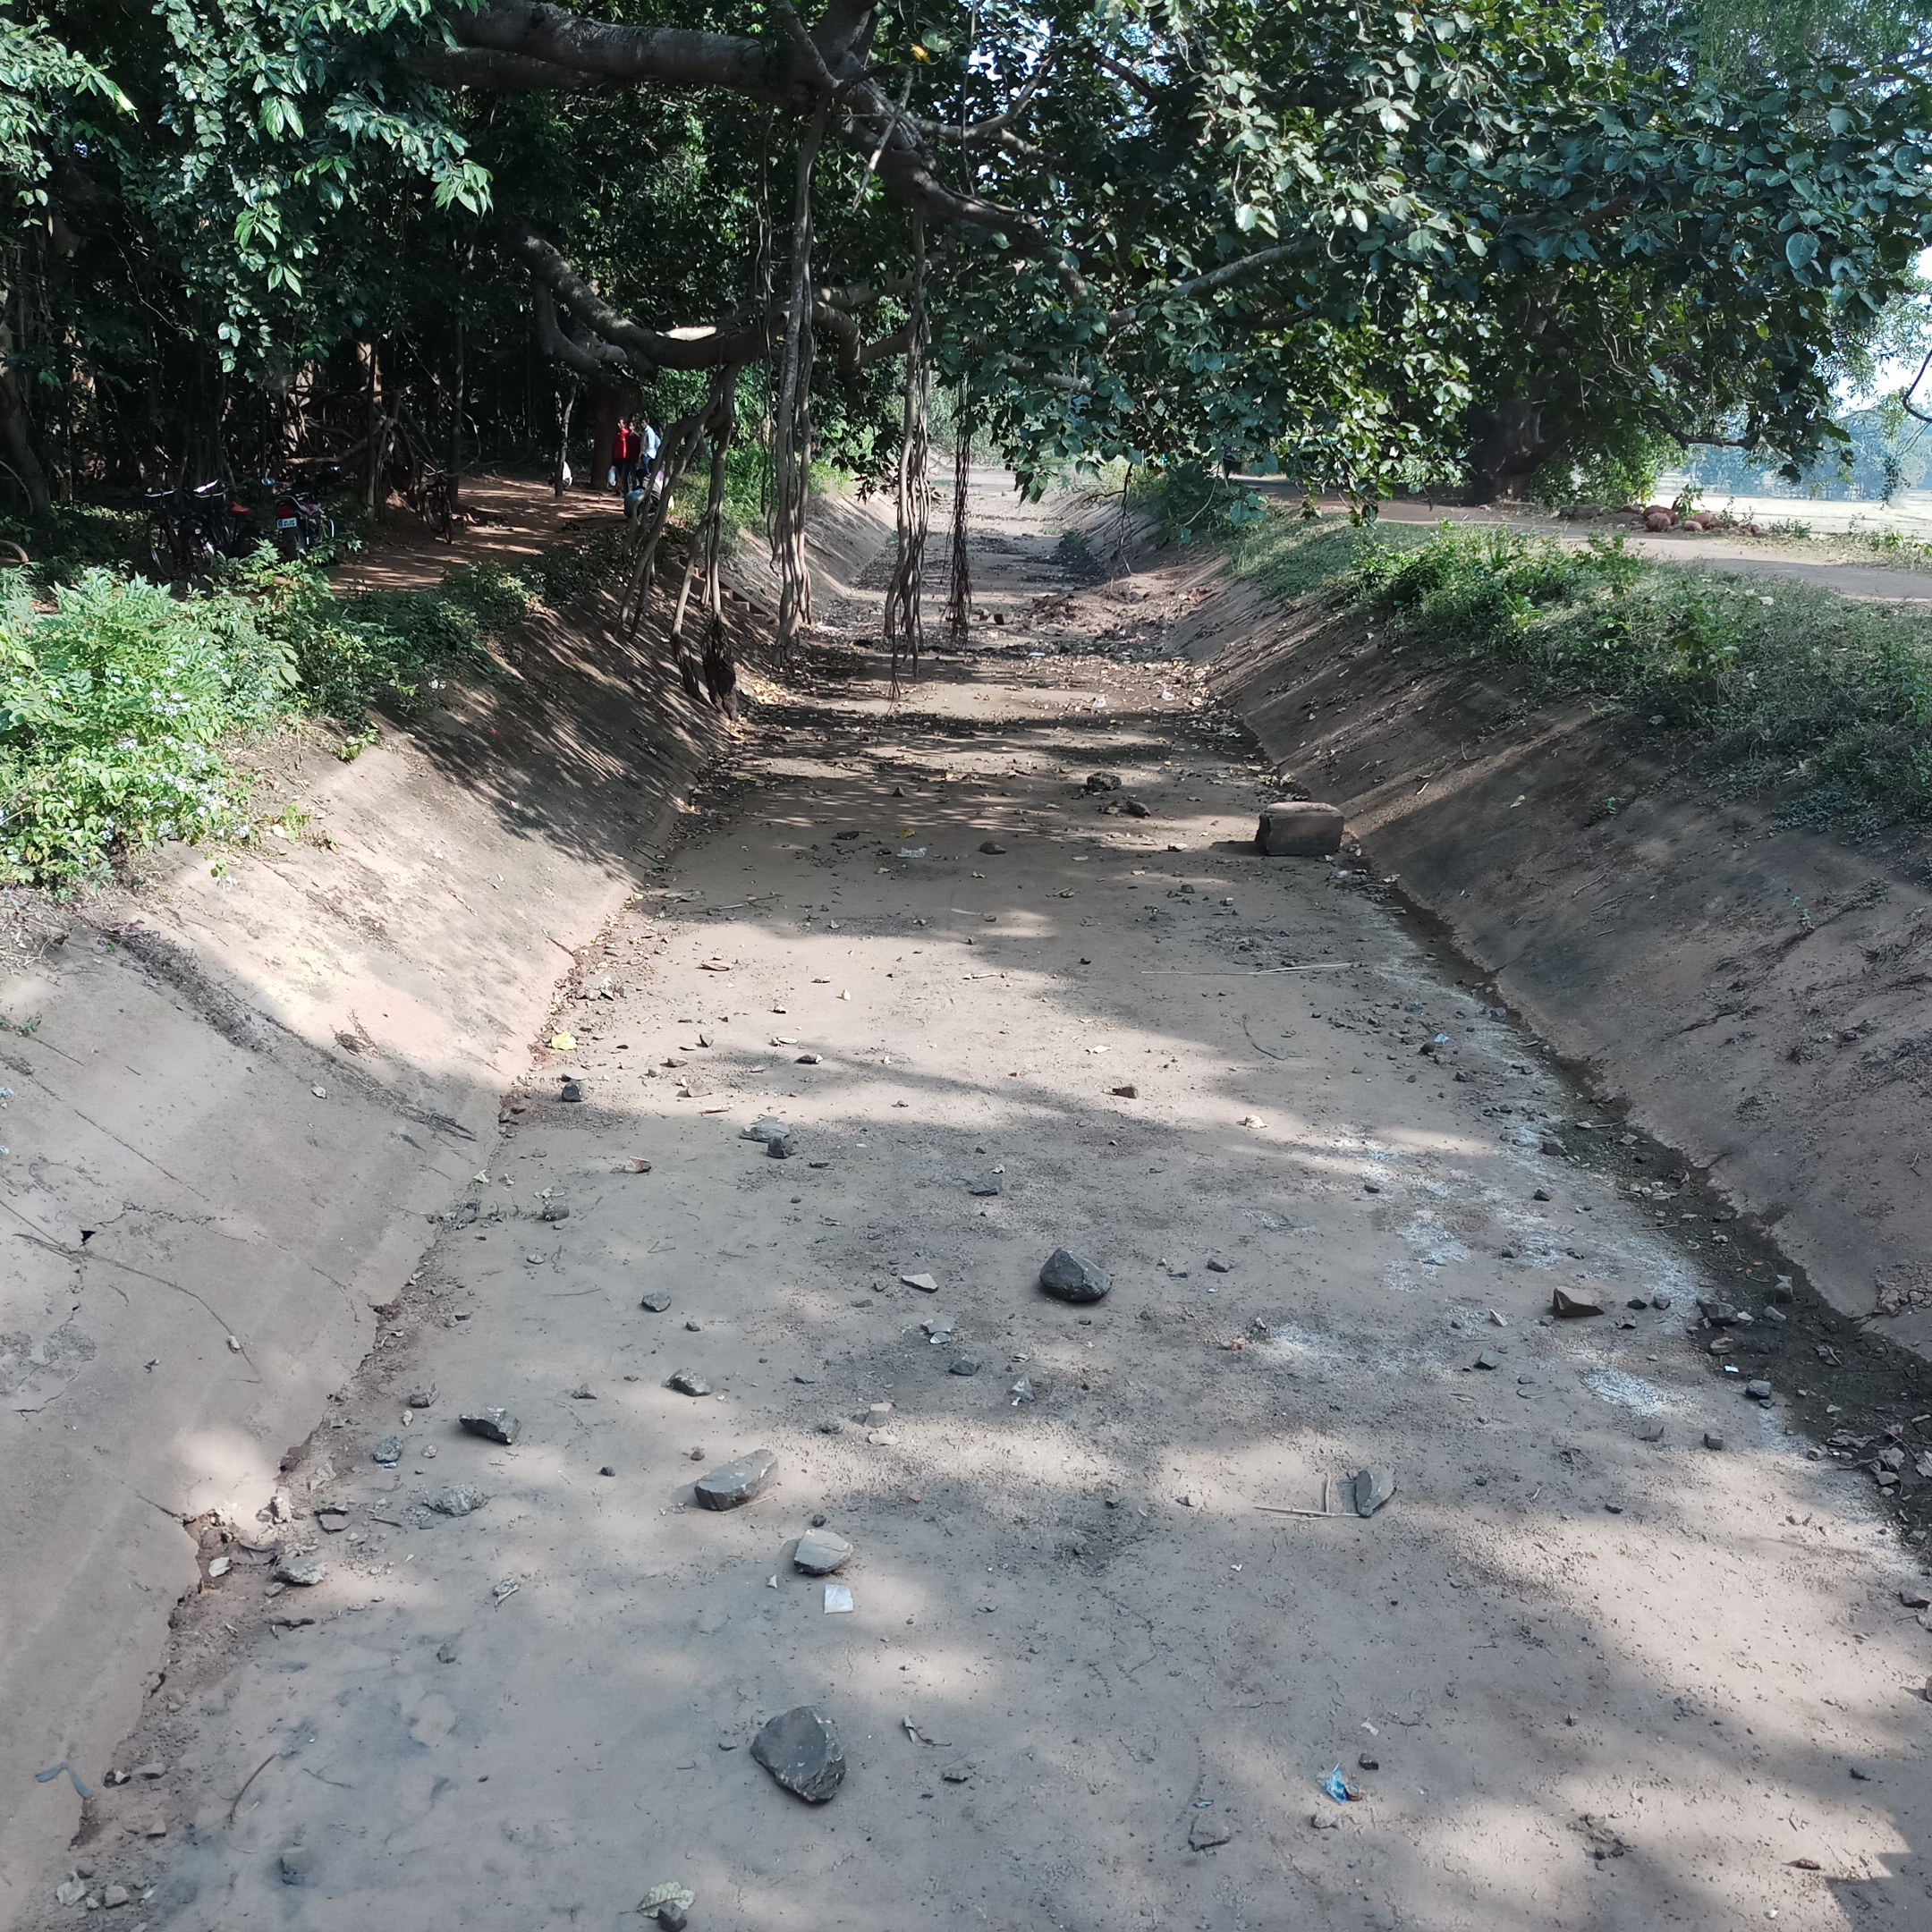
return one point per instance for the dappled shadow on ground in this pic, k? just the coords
(1606, 1681)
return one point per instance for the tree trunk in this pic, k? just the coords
(454, 464)
(16, 439)
(372, 490)
(1511, 443)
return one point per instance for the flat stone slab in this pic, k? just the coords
(1299, 828)
(819, 1552)
(493, 1425)
(732, 1485)
(925, 1284)
(802, 1749)
(1070, 1277)
(1372, 1488)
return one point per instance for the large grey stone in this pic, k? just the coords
(1070, 1277)
(1299, 828)
(734, 1484)
(688, 1382)
(802, 1749)
(820, 1552)
(766, 1130)
(493, 1425)
(1372, 1488)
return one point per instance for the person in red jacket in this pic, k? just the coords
(625, 450)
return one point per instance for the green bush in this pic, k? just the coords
(1790, 686)
(113, 707)
(117, 704)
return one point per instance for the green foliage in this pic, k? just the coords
(113, 707)
(118, 707)
(1787, 686)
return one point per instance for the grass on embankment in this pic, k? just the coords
(1784, 689)
(121, 706)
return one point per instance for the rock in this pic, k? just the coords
(992, 848)
(819, 1552)
(334, 1521)
(1102, 781)
(960, 1773)
(1660, 1302)
(1550, 1144)
(1488, 1359)
(1070, 1277)
(734, 1484)
(1758, 1391)
(1216, 1266)
(811, 1059)
(572, 1091)
(295, 1864)
(1719, 1314)
(1651, 1430)
(656, 1303)
(115, 1895)
(70, 1892)
(1134, 809)
(1712, 1439)
(802, 1749)
(1915, 1599)
(940, 1329)
(303, 1571)
(1206, 1831)
(780, 1146)
(1542, 1193)
(389, 1450)
(448, 1651)
(154, 1768)
(764, 1130)
(1637, 1301)
(554, 1210)
(925, 1284)
(963, 1365)
(1574, 1307)
(1367, 1762)
(1781, 1290)
(1022, 1390)
(1125, 1093)
(1299, 828)
(459, 1499)
(987, 1183)
(673, 1917)
(493, 1425)
(1373, 1487)
(688, 1382)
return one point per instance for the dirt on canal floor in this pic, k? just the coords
(1631, 1643)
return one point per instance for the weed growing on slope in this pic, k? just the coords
(1790, 688)
(117, 700)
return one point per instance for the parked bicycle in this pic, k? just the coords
(188, 528)
(427, 490)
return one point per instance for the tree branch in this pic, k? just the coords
(676, 56)
(710, 345)
(477, 67)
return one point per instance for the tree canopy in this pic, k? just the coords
(1352, 245)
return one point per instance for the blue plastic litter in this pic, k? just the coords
(1336, 1786)
(74, 1777)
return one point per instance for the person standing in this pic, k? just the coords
(649, 445)
(624, 455)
